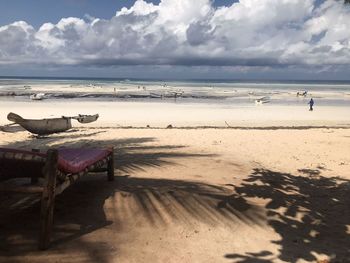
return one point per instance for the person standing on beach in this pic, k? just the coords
(311, 103)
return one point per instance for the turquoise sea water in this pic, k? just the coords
(215, 91)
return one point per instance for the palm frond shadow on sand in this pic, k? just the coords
(81, 208)
(310, 213)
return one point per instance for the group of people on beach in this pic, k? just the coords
(302, 93)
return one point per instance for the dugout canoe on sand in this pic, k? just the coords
(49, 126)
(86, 118)
(42, 126)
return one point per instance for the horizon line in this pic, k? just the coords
(174, 79)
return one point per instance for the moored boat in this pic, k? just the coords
(37, 96)
(262, 100)
(156, 95)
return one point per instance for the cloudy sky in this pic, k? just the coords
(257, 39)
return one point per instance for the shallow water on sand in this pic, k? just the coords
(240, 93)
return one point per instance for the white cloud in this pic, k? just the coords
(186, 32)
(139, 8)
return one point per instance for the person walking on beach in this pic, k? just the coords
(311, 103)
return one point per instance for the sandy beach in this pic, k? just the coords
(208, 177)
(184, 131)
(198, 195)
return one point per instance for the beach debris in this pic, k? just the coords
(330, 259)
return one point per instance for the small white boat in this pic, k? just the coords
(37, 96)
(156, 95)
(262, 100)
(174, 93)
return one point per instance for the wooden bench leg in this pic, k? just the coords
(110, 167)
(34, 180)
(48, 199)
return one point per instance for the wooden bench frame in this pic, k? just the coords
(51, 188)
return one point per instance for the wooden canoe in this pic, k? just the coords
(86, 118)
(42, 126)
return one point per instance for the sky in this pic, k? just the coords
(182, 39)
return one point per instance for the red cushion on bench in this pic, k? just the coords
(72, 160)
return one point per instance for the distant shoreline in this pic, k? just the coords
(123, 79)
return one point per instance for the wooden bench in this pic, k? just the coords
(56, 170)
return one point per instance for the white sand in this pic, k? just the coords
(191, 195)
(202, 195)
(161, 114)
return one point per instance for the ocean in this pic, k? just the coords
(230, 92)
